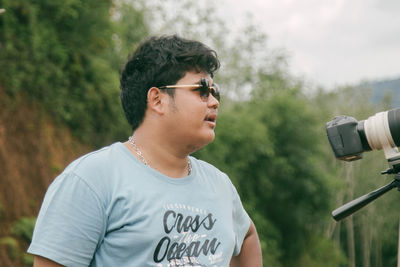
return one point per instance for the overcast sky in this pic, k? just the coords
(331, 42)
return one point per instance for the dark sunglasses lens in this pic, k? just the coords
(205, 90)
(215, 91)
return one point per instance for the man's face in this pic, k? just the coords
(191, 119)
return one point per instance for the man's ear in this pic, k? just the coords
(156, 100)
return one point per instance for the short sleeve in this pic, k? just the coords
(71, 222)
(241, 221)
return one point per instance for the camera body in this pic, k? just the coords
(349, 138)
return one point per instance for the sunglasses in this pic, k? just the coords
(203, 87)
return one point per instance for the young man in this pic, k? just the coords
(146, 202)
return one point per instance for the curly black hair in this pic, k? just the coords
(160, 61)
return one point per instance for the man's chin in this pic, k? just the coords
(203, 142)
(210, 137)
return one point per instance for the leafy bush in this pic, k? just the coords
(23, 228)
(11, 245)
(63, 55)
(27, 259)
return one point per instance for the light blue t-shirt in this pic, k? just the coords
(109, 209)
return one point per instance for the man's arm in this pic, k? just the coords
(250, 253)
(39, 261)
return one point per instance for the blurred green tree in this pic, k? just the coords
(59, 52)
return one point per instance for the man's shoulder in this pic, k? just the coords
(97, 163)
(95, 169)
(210, 170)
(97, 159)
(204, 165)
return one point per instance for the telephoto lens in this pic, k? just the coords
(383, 131)
(394, 125)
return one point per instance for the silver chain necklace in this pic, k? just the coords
(131, 141)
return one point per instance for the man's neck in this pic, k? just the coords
(159, 154)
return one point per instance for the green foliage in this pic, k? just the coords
(23, 228)
(61, 54)
(27, 259)
(298, 186)
(128, 30)
(322, 251)
(11, 245)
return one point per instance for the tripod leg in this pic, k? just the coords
(352, 206)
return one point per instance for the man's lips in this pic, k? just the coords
(211, 118)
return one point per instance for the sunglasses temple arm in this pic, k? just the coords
(180, 86)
